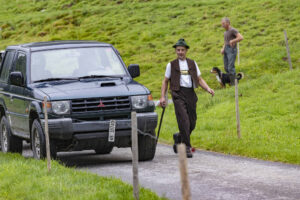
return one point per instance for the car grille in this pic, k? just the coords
(100, 104)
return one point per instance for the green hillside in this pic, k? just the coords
(270, 119)
(144, 31)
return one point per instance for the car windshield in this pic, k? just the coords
(75, 63)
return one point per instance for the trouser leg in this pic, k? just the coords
(225, 59)
(185, 110)
(231, 56)
(191, 109)
(182, 119)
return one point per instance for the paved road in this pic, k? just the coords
(212, 175)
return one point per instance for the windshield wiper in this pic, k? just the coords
(98, 76)
(54, 79)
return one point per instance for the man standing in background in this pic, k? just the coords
(184, 75)
(229, 50)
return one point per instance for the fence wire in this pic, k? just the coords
(128, 124)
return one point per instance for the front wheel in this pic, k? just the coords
(9, 142)
(38, 142)
(147, 147)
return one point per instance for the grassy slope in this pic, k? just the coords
(144, 31)
(270, 119)
(23, 178)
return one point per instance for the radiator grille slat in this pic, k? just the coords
(100, 104)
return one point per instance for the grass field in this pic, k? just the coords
(144, 32)
(23, 178)
(270, 119)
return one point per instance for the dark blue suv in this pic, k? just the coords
(90, 95)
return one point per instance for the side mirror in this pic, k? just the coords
(16, 78)
(1, 55)
(134, 70)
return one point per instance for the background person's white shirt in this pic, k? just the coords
(185, 80)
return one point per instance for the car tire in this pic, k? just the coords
(105, 149)
(38, 142)
(147, 147)
(9, 142)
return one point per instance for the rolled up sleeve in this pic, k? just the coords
(168, 71)
(198, 70)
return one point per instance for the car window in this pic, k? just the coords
(21, 64)
(7, 63)
(75, 62)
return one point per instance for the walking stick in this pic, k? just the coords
(161, 119)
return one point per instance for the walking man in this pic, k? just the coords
(229, 50)
(184, 75)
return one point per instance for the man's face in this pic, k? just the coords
(225, 24)
(181, 52)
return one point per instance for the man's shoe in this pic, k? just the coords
(189, 152)
(175, 148)
(177, 140)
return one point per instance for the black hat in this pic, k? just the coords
(181, 43)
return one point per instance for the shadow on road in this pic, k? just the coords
(86, 158)
(89, 158)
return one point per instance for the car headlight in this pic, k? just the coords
(60, 107)
(139, 102)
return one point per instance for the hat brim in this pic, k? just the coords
(186, 46)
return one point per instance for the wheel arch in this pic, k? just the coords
(34, 113)
(2, 110)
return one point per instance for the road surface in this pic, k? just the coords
(212, 175)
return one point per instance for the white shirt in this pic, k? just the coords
(185, 80)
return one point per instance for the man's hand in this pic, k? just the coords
(222, 51)
(238, 38)
(211, 91)
(163, 102)
(232, 43)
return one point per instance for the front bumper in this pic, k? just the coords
(66, 129)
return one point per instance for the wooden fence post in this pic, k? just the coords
(47, 135)
(135, 155)
(185, 186)
(238, 127)
(288, 50)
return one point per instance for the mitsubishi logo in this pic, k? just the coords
(101, 105)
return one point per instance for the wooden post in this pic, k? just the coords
(238, 52)
(47, 135)
(135, 155)
(238, 128)
(185, 186)
(288, 50)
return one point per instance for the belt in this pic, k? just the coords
(227, 45)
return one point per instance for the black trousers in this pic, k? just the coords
(185, 101)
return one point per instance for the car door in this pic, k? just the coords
(5, 93)
(18, 109)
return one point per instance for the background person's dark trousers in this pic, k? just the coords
(185, 109)
(229, 60)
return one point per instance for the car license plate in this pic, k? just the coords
(112, 131)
